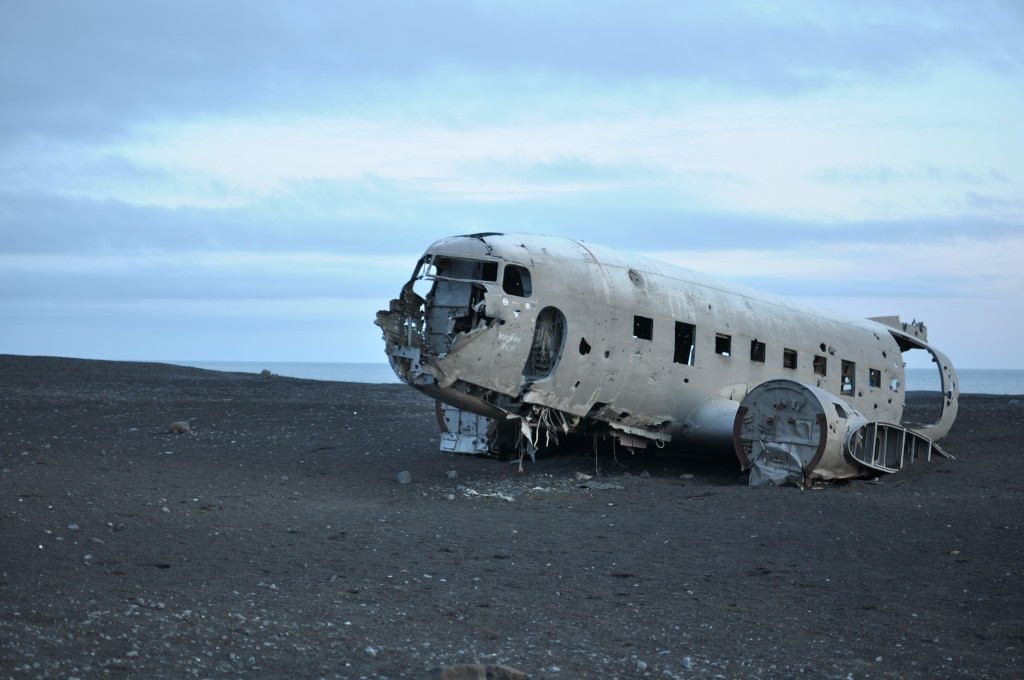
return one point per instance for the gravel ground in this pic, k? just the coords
(274, 540)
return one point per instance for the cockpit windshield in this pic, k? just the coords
(457, 269)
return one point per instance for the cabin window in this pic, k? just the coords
(643, 328)
(723, 344)
(874, 377)
(789, 358)
(819, 365)
(685, 333)
(516, 281)
(849, 374)
(757, 351)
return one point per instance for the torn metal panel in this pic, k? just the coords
(546, 336)
(630, 441)
(914, 328)
(463, 431)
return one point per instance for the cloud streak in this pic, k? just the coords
(168, 161)
(88, 68)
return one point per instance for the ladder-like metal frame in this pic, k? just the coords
(887, 448)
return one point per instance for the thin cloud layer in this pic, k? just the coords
(85, 68)
(228, 161)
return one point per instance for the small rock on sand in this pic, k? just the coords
(180, 427)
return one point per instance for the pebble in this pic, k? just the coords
(165, 509)
(452, 474)
(73, 527)
(370, 651)
(687, 663)
(180, 427)
(403, 477)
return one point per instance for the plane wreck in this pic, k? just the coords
(523, 338)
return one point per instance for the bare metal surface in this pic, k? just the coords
(463, 431)
(543, 337)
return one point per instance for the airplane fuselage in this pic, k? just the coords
(512, 325)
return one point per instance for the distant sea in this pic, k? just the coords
(335, 372)
(972, 381)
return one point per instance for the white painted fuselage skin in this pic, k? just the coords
(644, 349)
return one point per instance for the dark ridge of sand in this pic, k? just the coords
(274, 541)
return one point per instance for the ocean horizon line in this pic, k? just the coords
(990, 381)
(972, 380)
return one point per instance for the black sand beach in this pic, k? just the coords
(274, 541)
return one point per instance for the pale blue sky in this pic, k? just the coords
(252, 181)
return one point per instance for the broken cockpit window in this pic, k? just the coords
(456, 298)
(516, 281)
(442, 267)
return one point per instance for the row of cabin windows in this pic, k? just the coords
(685, 352)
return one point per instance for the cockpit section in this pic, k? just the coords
(455, 297)
(451, 301)
(461, 331)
